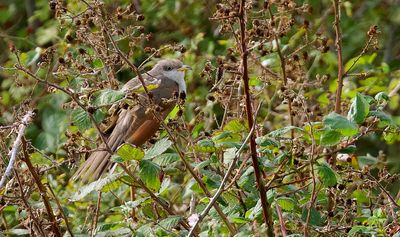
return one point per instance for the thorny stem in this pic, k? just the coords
(245, 76)
(61, 211)
(96, 215)
(34, 218)
(42, 191)
(338, 43)
(314, 181)
(283, 68)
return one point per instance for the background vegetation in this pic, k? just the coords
(267, 143)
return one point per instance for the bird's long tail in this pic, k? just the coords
(99, 161)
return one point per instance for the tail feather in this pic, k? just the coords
(99, 161)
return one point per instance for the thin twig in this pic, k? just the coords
(14, 151)
(61, 211)
(42, 190)
(281, 220)
(338, 43)
(96, 215)
(223, 182)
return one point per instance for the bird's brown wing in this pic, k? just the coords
(134, 126)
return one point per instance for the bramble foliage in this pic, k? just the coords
(263, 145)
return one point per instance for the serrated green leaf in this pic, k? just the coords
(107, 97)
(265, 141)
(82, 120)
(282, 131)
(254, 212)
(205, 146)
(128, 152)
(341, 124)
(170, 222)
(326, 174)
(287, 204)
(235, 125)
(359, 109)
(149, 173)
(94, 186)
(166, 159)
(330, 137)
(158, 148)
(111, 186)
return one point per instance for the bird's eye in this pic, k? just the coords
(168, 68)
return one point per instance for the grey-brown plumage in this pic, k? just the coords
(135, 125)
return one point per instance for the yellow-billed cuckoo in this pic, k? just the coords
(135, 125)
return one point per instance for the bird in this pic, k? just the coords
(135, 124)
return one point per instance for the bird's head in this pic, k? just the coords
(173, 69)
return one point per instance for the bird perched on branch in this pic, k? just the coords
(138, 123)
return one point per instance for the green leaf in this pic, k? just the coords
(39, 159)
(348, 150)
(358, 229)
(107, 97)
(315, 218)
(367, 160)
(170, 222)
(282, 131)
(166, 159)
(149, 173)
(360, 196)
(382, 116)
(158, 148)
(266, 141)
(382, 96)
(205, 145)
(359, 109)
(82, 120)
(128, 152)
(235, 125)
(341, 124)
(287, 204)
(330, 137)
(94, 186)
(326, 174)
(108, 226)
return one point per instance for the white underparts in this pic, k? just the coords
(179, 78)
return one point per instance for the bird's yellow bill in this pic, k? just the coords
(184, 68)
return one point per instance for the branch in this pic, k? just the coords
(42, 191)
(14, 151)
(245, 76)
(338, 43)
